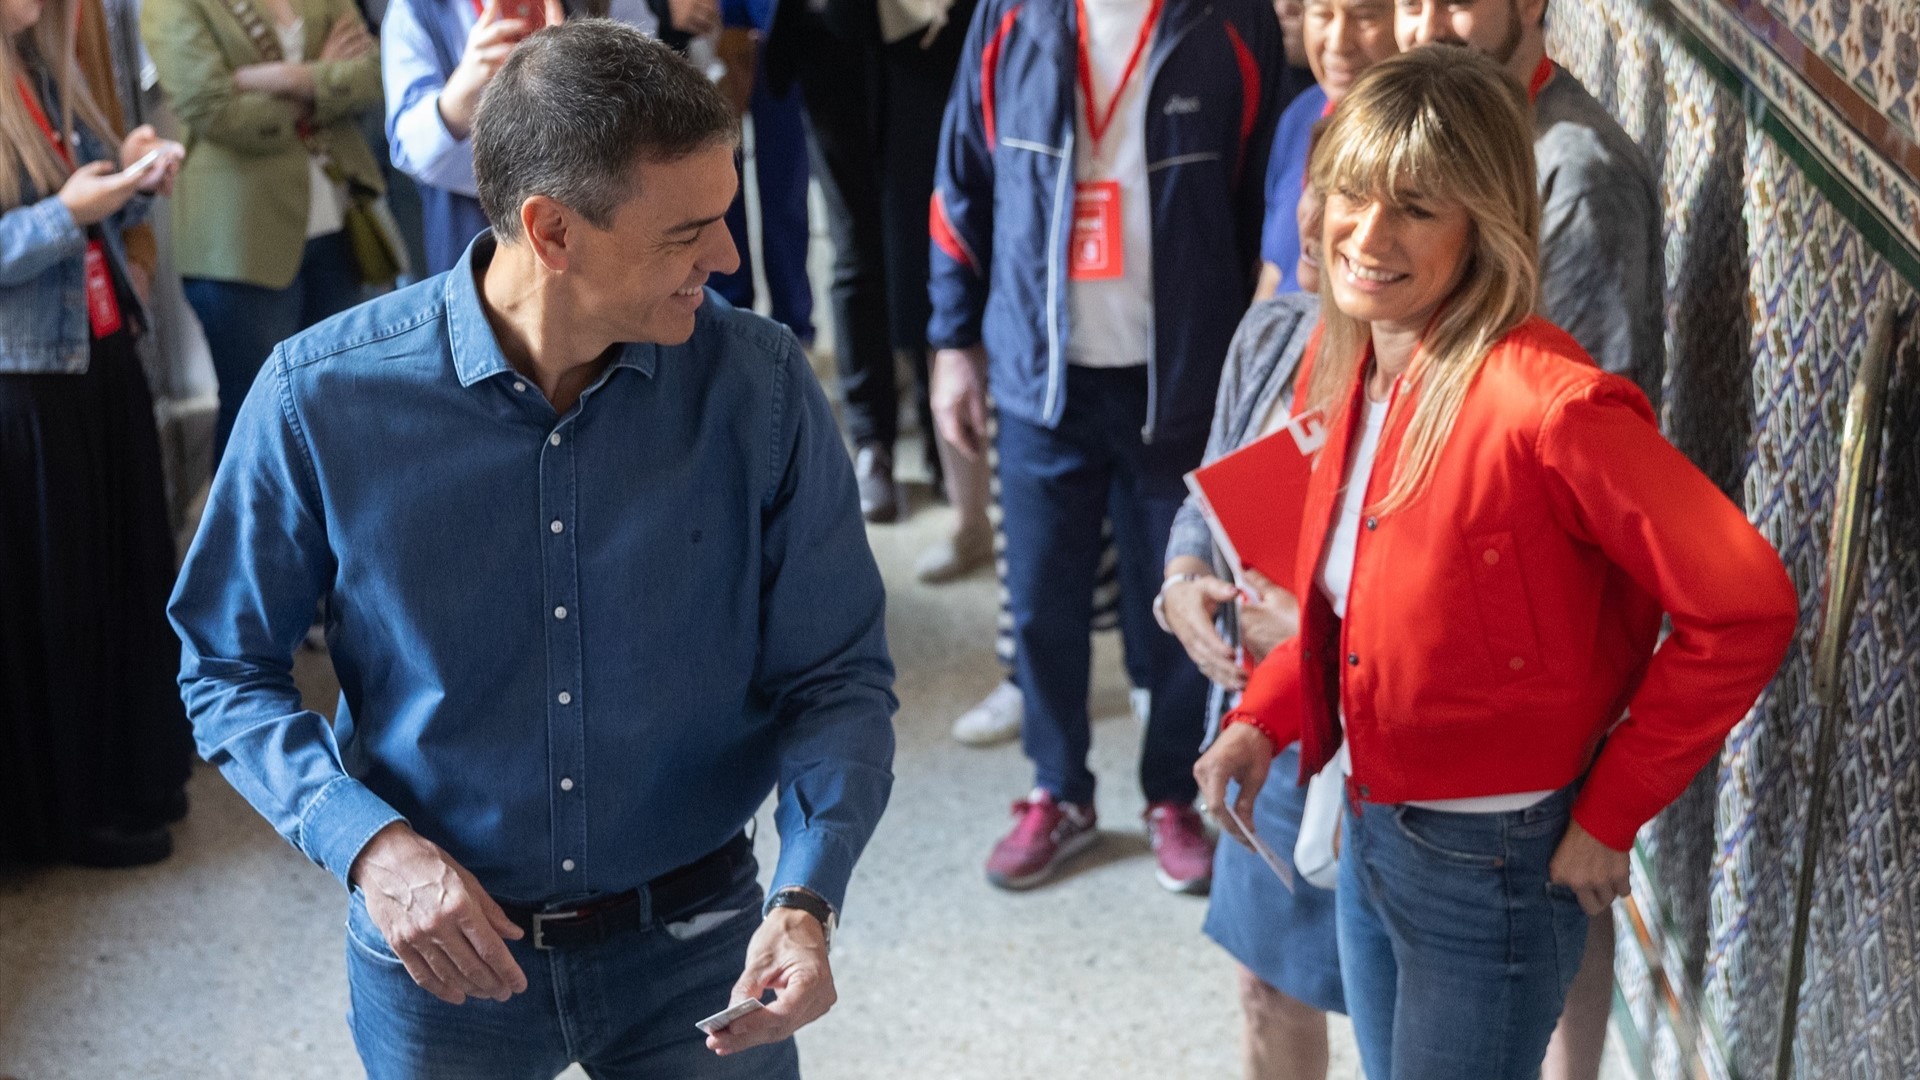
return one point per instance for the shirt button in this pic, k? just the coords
(1517, 663)
(554, 439)
(564, 698)
(1491, 556)
(566, 864)
(555, 527)
(1353, 659)
(560, 613)
(566, 783)
(519, 387)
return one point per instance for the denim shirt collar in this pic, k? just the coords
(476, 353)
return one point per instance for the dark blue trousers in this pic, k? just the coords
(1055, 487)
(780, 168)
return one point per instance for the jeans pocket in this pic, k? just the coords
(1460, 843)
(364, 936)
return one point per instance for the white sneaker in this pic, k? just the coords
(1142, 702)
(995, 720)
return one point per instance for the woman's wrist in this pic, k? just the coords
(1160, 598)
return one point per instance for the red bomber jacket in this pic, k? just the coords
(1498, 626)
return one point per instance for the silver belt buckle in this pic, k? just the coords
(540, 921)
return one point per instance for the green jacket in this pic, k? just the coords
(240, 204)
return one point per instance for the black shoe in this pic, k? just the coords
(161, 810)
(114, 847)
(873, 471)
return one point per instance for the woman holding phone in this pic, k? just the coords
(94, 746)
(1490, 540)
(269, 91)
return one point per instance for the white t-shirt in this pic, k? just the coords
(1111, 320)
(325, 212)
(1336, 580)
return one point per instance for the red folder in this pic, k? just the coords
(1253, 498)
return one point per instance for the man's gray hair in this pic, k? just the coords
(575, 108)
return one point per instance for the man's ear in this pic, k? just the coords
(547, 225)
(1533, 12)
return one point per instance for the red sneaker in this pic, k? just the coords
(1045, 834)
(1181, 847)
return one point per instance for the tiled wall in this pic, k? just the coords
(1781, 237)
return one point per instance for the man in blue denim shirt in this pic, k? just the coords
(597, 583)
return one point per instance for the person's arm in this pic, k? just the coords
(825, 671)
(417, 135)
(199, 83)
(1614, 481)
(37, 237)
(1260, 36)
(960, 217)
(244, 599)
(346, 87)
(1601, 277)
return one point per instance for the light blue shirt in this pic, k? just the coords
(576, 650)
(413, 72)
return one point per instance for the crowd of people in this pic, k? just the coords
(1110, 241)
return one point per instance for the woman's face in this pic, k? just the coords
(1395, 263)
(1344, 38)
(19, 16)
(1308, 214)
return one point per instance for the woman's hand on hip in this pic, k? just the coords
(1595, 872)
(1244, 755)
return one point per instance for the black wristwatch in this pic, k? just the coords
(805, 900)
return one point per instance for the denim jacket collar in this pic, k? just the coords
(476, 352)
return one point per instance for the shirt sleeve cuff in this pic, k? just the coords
(817, 861)
(340, 821)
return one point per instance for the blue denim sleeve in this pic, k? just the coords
(36, 238)
(823, 658)
(243, 601)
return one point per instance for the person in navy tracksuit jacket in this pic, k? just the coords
(1105, 416)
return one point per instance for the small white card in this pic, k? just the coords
(720, 1021)
(1280, 869)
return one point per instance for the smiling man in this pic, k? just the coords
(596, 584)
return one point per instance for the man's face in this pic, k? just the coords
(1345, 38)
(1290, 13)
(1493, 27)
(640, 278)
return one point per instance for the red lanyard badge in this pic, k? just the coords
(1099, 120)
(103, 302)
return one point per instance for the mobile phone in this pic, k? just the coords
(531, 12)
(718, 1022)
(146, 161)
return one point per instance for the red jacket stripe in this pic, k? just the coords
(1249, 93)
(940, 226)
(989, 68)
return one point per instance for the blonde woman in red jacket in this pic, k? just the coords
(1491, 537)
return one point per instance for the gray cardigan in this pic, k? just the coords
(1261, 363)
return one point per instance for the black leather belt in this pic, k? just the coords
(676, 894)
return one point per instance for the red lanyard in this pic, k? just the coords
(1542, 75)
(1097, 121)
(479, 8)
(39, 115)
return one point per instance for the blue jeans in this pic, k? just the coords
(623, 1008)
(244, 322)
(1056, 486)
(1455, 951)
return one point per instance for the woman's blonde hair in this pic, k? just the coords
(29, 168)
(1453, 126)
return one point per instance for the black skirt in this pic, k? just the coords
(92, 732)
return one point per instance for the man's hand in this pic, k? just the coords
(1595, 872)
(959, 397)
(1243, 754)
(441, 924)
(488, 45)
(1189, 607)
(787, 955)
(1268, 621)
(696, 17)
